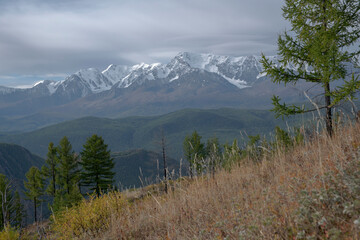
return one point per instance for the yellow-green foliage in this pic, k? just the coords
(91, 217)
(9, 233)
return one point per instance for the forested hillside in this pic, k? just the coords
(144, 132)
(15, 161)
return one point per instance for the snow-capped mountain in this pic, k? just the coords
(189, 80)
(239, 71)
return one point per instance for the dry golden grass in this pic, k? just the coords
(253, 201)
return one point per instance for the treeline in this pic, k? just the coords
(63, 181)
(208, 158)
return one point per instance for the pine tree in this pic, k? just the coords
(319, 51)
(50, 169)
(35, 187)
(97, 165)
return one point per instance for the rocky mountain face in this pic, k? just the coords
(189, 80)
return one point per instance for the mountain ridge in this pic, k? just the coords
(189, 80)
(94, 81)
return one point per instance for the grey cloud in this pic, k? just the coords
(43, 37)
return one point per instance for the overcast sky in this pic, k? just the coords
(49, 39)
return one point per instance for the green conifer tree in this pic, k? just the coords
(68, 167)
(35, 187)
(50, 169)
(318, 49)
(97, 165)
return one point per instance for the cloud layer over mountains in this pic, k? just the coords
(39, 37)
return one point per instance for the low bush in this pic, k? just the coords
(89, 218)
(9, 233)
(333, 211)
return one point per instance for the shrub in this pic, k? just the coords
(333, 211)
(9, 233)
(89, 218)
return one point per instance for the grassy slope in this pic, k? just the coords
(312, 190)
(143, 132)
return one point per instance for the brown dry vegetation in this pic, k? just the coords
(309, 192)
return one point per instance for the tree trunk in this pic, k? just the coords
(329, 127)
(97, 186)
(54, 181)
(67, 184)
(35, 214)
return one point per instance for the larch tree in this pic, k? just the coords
(318, 49)
(68, 166)
(35, 187)
(50, 169)
(97, 165)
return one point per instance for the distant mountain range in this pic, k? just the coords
(189, 80)
(239, 71)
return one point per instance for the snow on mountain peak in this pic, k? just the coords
(239, 71)
(39, 82)
(234, 69)
(116, 72)
(230, 68)
(93, 79)
(51, 85)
